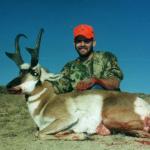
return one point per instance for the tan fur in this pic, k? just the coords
(90, 111)
(118, 110)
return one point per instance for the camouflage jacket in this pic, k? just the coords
(101, 65)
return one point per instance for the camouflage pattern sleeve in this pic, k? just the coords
(63, 85)
(112, 69)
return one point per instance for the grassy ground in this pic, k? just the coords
(17, 132)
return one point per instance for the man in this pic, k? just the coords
(91, 69)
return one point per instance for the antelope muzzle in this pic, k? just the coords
(13, 86)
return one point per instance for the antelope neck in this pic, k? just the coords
(44, 88)
(36, 96)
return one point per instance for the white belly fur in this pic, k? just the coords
(142, 108)
(88, 110)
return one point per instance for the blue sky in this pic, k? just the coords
(121, 27)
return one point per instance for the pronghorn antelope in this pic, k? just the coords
(75, 115)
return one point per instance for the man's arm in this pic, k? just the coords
(112, 75)
(109, 84)
(112, 69)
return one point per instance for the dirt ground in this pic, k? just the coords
(17, 132)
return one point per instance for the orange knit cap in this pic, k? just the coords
(84, 30)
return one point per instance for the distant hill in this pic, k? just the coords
(142, 95)
(3, 89)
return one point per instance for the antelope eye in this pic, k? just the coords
(34, 73)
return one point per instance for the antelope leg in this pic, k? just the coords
(58, 125)
(60, 136)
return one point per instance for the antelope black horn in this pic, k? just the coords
(16, 56)
(35, 51)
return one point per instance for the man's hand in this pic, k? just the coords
(109, 84)
(85, 84)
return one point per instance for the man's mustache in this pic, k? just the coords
(81, 47)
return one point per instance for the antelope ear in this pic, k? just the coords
(49, 76)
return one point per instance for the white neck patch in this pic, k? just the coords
(28, 86)
(36, 96)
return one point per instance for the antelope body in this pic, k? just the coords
(75, 115)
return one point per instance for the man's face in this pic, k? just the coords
(84, 46)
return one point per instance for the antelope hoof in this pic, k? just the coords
(102, 130)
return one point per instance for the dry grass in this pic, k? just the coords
(17, 132)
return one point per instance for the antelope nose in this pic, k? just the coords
(13, 83)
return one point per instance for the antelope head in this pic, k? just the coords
(31, 75)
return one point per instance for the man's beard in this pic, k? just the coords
(86, 55)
